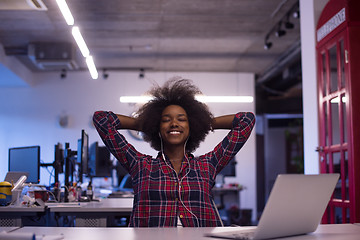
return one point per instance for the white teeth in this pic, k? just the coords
(174, 132)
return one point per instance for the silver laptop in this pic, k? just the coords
(14, 176)
(295, 206)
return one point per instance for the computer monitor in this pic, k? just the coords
(229, 169)
(59, 158)
(83, 153)
(100, 164)
(26, 159)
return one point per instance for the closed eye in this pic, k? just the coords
(165, 120)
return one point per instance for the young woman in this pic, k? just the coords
(175, 186)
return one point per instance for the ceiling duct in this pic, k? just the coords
(53, 56)
(22, 5)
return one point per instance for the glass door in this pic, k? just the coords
(334, 152)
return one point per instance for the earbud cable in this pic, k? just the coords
(177, 177)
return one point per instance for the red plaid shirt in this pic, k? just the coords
(160, 195)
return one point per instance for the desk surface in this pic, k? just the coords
(104, 205)
(8, 229)
(12, 208)
(329, 232)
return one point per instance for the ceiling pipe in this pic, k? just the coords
(279, 65)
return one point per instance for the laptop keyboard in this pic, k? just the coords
(248, 234)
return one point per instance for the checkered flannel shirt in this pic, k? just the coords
(160, 195)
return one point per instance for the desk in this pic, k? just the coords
(8, 229)
(94, 214)
(11, 216)
(328, 232)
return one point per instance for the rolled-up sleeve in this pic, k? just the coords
(226, 150)
(107, 124)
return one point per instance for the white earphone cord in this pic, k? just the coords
(177, 177)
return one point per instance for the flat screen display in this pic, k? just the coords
(26, 159)
(83, 152)
(100, 164)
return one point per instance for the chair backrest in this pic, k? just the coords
(126, 183)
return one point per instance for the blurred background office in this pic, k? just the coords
(229, 48)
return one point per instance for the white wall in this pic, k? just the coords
(310, 11)
(29, 115)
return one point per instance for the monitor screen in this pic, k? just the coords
(26, 159)
(229, 169)
(83, 152)
(100, 164)
(59, 158)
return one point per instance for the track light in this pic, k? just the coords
(105, 73)
(142, 73)
(287, 23)
(267, 44)
(296, 14)
(280, 32)
(63, 74)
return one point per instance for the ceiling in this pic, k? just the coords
(167, 35)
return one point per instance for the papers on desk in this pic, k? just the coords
(28, 236)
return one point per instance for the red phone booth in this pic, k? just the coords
(338, 64)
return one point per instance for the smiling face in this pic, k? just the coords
(174, 126)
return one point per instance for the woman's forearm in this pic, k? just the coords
(128, 122)
(222, 122)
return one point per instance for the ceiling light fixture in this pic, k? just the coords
(200, 98)
(63, 74)
(65, 12)
(280, 32)
(78, 38)
(277, 29)
(267, 43)
(296, 14)
(80, 42)
(224, 99)
(142, 73)
(135, 99)
(287, 23)
(105, 73)
(91, 66)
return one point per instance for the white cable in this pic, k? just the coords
(217, 212)
(52, 194)
(177, 177)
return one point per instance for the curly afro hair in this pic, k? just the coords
(181, 92)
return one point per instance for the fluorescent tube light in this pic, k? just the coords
(201, 98)
(135, 99)
(78, 38)
(92, 69)
(65, 12)
(80, 42)
(224, 99)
